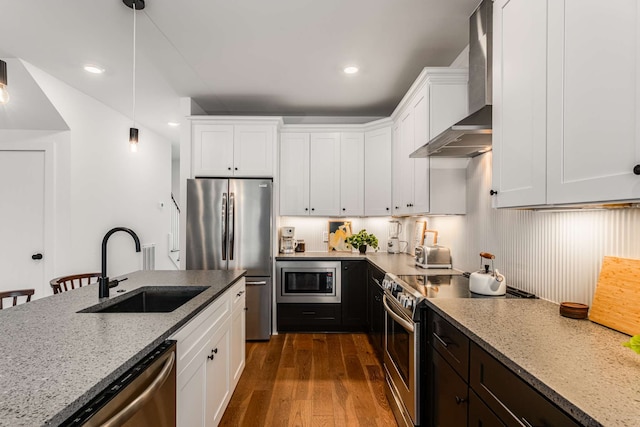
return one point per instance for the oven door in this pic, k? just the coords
(401, 356)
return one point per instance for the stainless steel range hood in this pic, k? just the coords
(471, 136)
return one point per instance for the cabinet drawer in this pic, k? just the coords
(238, 294)
(309, 317)
(514, 401)
(449, 394)
(376, 274)
(452, 344)
(480, 415)
(190, 337)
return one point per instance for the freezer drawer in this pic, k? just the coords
(258, 305)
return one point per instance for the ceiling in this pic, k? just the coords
(276, 57)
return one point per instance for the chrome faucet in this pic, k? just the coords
(103, 280)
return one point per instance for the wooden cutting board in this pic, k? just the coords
(616, 303)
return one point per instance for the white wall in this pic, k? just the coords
(101, 185)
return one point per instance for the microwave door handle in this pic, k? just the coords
(232, 226)
(134, 406)
(224, 226)
(407, 325)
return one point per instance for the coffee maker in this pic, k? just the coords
(393, 244)
(287, 242)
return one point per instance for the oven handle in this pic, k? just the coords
(407, 325)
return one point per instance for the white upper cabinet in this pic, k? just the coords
(324, 174)
(225, 148)
(594, 101)
(519, 108)
(352, 158)
(377, 172)
(253, 150)
(294, 174)
(437, 100)
(212, 150)
(566, 111)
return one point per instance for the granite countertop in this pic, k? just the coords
(54, 359)
(401, 263)
(579, 365)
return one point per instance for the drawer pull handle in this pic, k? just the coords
(526, 423)
(239, 294)
(308, 313)
(460, 400)
(443, 342)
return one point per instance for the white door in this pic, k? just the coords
(324, 174)
(594, 101)
(377, 172)
(519, 107)
(212, 150)
(294, 174)
(420, 199)
(352, 174)
(22, 220)
(253, 150)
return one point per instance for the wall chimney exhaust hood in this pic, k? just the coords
(471, 136)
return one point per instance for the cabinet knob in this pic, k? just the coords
(306, 209)
(343, 209)
(493, 192)
(460, 400)
(312, 209)
(229, 168)
(387, 208)
(636, 169)
(236, 168)
(397, 207)
(215, 350)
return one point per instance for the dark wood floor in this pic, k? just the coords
(310, 380)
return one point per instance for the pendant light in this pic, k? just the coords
(133, 131)
(4, 94)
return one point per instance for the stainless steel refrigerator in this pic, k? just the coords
(229, 227)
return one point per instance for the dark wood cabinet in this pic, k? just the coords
(354, 296)
(449, 395)
(469, 387)
(375, 310)
(309, 317)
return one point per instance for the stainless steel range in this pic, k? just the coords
(404, 301)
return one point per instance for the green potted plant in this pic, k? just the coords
(361, 240)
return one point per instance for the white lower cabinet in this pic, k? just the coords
(211, 358)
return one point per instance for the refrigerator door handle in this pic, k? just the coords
(232, 226)
(224, 226)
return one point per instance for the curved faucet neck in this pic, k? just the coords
(103, 280)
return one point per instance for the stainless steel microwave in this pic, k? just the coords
(308, 282)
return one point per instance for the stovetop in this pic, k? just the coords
(411, 290)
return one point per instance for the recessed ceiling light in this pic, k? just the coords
(93, 69)
(173, 124)
(351, 70)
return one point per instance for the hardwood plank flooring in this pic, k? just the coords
(314, 380)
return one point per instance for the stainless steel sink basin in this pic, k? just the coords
(152, 299)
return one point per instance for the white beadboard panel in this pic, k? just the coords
(556, 255)
(310, 229)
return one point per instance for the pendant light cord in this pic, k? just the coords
(134, 63)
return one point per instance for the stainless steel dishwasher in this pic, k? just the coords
(143, 396)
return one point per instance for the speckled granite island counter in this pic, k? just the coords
(580, 366)
(54, 359)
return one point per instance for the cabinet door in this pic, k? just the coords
(519, 106)
(594, 107)
(352, 174)
(238, 328)
(212, 150)
(398, 185)
(294, 174)
(218, 375)
(420, 199)
(354, 288)
(377, 172)
(449, 395)
(324, 174)
(404, 166)
(253, 150)
(191, 390)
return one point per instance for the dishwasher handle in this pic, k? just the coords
(128, 411)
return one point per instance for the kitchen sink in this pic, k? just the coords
(151, 299)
